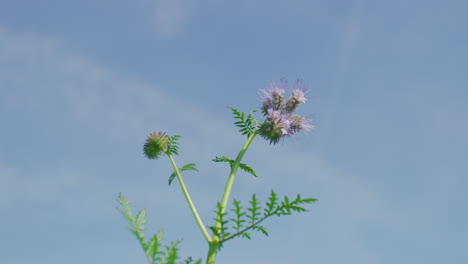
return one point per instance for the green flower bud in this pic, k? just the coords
(156, 144)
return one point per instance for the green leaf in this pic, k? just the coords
(272, 203)
(126, 211)
(171, 255)
(239, 216)
(253, 216)
(140, 220)
(261, 229)
(247, 169)
(154, 247)
(222, 159)
(310, 200)
(219, 221)
(173, 147)
(248, 125)
(245, 234)
(190, 166)
(242, 166)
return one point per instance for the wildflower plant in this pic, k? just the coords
(243, 218)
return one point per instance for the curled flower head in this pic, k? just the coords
(273, 97)
(275, 127)
(299, 123)
(156, 144)
(281, 119)
(297, 98)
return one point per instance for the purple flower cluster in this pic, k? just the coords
(281, 119)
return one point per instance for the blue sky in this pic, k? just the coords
(83, 82)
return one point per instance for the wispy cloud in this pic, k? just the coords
(67, 99)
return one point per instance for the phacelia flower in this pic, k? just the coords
(298, 123)
(297, 98)
(275, 127)
(281, 119)
(273, 97)
(155, 145)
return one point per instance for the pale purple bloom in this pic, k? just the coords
(273, 97)
(298, 123)
(281, 119)
(297, 98)
(276, 126)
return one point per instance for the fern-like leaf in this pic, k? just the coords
(171, 253)
(254, 210)
(242, 166)
(272, 203)
(261, 229)
(247, 169)
(223, 159)
(220, 227)
(152, 248)
(190, 166)
(248, 125)
(273, 207)
(154, 251)
(173, 147)
(239, 219)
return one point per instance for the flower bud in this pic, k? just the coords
(296, 99)
(155, 145)
(273, 98)
(299, 123)
(275, 127)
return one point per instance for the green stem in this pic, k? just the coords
(232, 175)
(214, 248)
(215, 243)
(189, 200)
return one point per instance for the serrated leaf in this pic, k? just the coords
(239, 215)
(247, 235)
(154, 251)
(262, 229)
(173, 146)
(171, 253)
(248, 125)
(309, 200)
(140, 220)
(220, 223)
(222, 159)
(190, 166)
(253, 216)
(247, 169)
(272, 203)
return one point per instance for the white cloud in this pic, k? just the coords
(68, 92)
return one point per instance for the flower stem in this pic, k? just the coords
(215, 242)
(214, 248)
(232, 175)
(189, 200)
